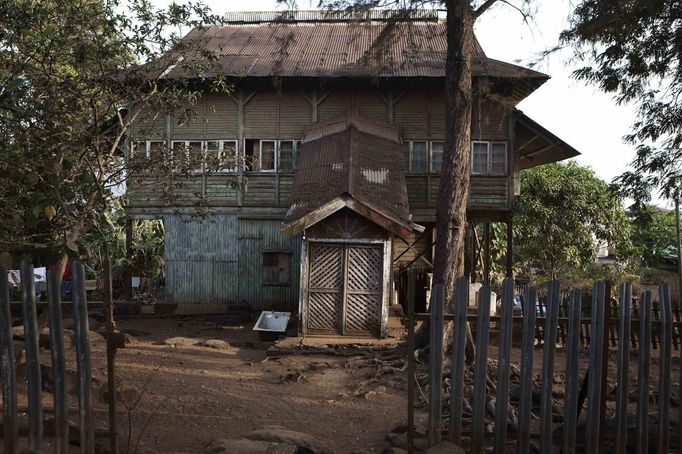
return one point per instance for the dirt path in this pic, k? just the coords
(192, 395)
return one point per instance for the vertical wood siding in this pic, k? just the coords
(190, 125)
(260, 116)
(221, 117)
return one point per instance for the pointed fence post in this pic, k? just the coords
(594, 387)
(643, 373)
(111, 354)
(503, 366)
(480, 371)
(526, 392)
(625, 320)
(436, 365)
(548, 355)
(80, 318)
(572, 371)
(35, 387)
(664, 377)
(61, 407)
(7, 372)
(458, 354)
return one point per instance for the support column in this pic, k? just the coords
(129, 252)
(510, 248)
(486, 258)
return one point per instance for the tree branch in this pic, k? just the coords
(483, 8)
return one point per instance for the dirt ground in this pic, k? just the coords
(192, 394)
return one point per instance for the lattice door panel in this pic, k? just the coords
(364, 285)
(325, 288)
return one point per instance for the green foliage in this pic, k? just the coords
(561, 214)
(653, 236)
(632, 49)
(69, 70)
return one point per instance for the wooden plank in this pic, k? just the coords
(572, 371)
(7, 373)
(82, 330)
(624, 316)
(436, 364)
(503, 366)
(458, 359)
(548, 354)
(664, 368)
(410, 361)
(61, 406)
(526, 392)
(480, 371)
(643, 374)
(594, 388)
(111, 354)
(35, 405)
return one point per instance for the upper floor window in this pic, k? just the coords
(221, 155)
(270, 155)
(189, 152)
(425, 156)
(488, 158)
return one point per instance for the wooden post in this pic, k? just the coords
(128, 287)
(480, 371)
(436, 364)
(510, 248)
(548, 355)
(81, 325)
(624, 315)
(503, 367)
(644, 362)
(526, 393)
(61, 404)
(410, 361)
(486, 258)
(594, 385)
(35, 385)
(458, 357)
(664, 369)
(111, 354)
(572, 371)
(7, 373)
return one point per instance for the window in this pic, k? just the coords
(286, 155)
(189, 151)
(267, 156)
(221, 155)
(488, 158)
(436, 156)
(419, 160)
(276, 268)
(425, 156)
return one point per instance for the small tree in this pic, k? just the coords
(563, 212)
(74, 75)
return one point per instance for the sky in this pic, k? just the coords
(579, 114)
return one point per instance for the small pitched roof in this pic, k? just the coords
(536, 145)
(350, 162)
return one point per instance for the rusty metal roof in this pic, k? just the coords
(360, 161)
(371, 49)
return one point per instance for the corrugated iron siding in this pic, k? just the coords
(219, 261)
(255, 237)
(202, 259)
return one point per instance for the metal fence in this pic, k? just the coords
(60, 442)
(541, 433)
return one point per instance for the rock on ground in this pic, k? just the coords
(244, 446)
(279, 434)
(215, 343)
(181, 342)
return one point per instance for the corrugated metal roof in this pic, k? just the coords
(354, 161)
(349, 49)
(255, 17)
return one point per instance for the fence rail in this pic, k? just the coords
(627, 325)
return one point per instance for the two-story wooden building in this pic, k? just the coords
(334, 136)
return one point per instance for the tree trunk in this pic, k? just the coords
(451, 219)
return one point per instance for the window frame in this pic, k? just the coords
(411, 154)
(294, 155)
(279, 282)
(221, 148)
(260, 156)
(431, 170)
(202, 148)
(489, 154)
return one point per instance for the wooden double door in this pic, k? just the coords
(345, 289)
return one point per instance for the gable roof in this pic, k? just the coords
(306, 48)
(350, 162)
